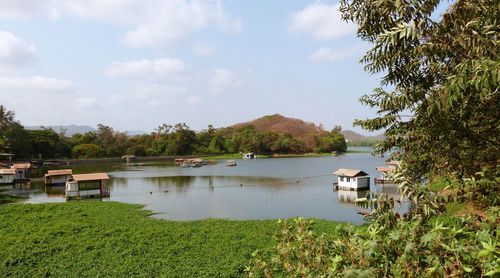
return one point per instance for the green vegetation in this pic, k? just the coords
(363, 143)
(90, 239)
(438, 99)
(169, 140)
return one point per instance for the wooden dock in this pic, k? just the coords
(383, 181)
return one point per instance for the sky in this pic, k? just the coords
(136, 64)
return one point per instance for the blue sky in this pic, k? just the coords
(135, 64)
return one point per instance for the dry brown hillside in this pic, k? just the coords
(280, 124)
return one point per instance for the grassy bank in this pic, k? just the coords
(89, 239)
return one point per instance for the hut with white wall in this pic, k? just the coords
(22, 171)
(58, 177)
(352, 179)
(7, 176)
(86, 185)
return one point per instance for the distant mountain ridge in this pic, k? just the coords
(69, 130)
(350, 135)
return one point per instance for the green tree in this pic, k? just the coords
(7, 119)
(45, 142)
(87, 151)
(19, 140)
(181, 140)
(439, 95)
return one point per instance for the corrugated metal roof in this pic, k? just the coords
(60, 172)
(91, 177)
(26, 165)
(349, 172)
(8, 171)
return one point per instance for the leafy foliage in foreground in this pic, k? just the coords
(438, 99)
(437, 238)
(96, 239)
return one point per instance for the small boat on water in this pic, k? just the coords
(231, 163)
(249, 156)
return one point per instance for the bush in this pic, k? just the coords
(87, 151)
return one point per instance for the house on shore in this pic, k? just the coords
(86, 185)
(58, 177)
(7, 176)
(22, 171)
(352, 179)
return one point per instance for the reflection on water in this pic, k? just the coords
(255, 189)
(348, 196)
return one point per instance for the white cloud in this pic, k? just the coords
(149, 23)
(44, 100)
(30, 8)
(15, 52)
(193, 100)
(34, 84)
(151, 95)
(146, 69)
(222, 79)
(321, 21)
(202, 49)
(335, 54)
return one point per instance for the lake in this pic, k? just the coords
(268, 188)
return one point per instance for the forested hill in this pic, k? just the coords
(281, 125)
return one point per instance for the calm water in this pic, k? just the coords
(255, 189)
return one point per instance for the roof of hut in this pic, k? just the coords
(8, 171)
(24, 165)
(384, 169)
(91, 177)
(350, 173)
(60, 172)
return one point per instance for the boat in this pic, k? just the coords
(249, 156)
(231, 163)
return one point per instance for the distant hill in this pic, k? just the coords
(280, 124)
(354, 136)
(69, 129)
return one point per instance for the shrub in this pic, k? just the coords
(87, 151)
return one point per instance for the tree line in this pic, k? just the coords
(173, 140)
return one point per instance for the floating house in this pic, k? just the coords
(394, 163)
(352, 179)
(58, 177)
(384, 170)
(22, 171)
(249, 156)
(86, 185)
(9, 156)
(7, 176)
